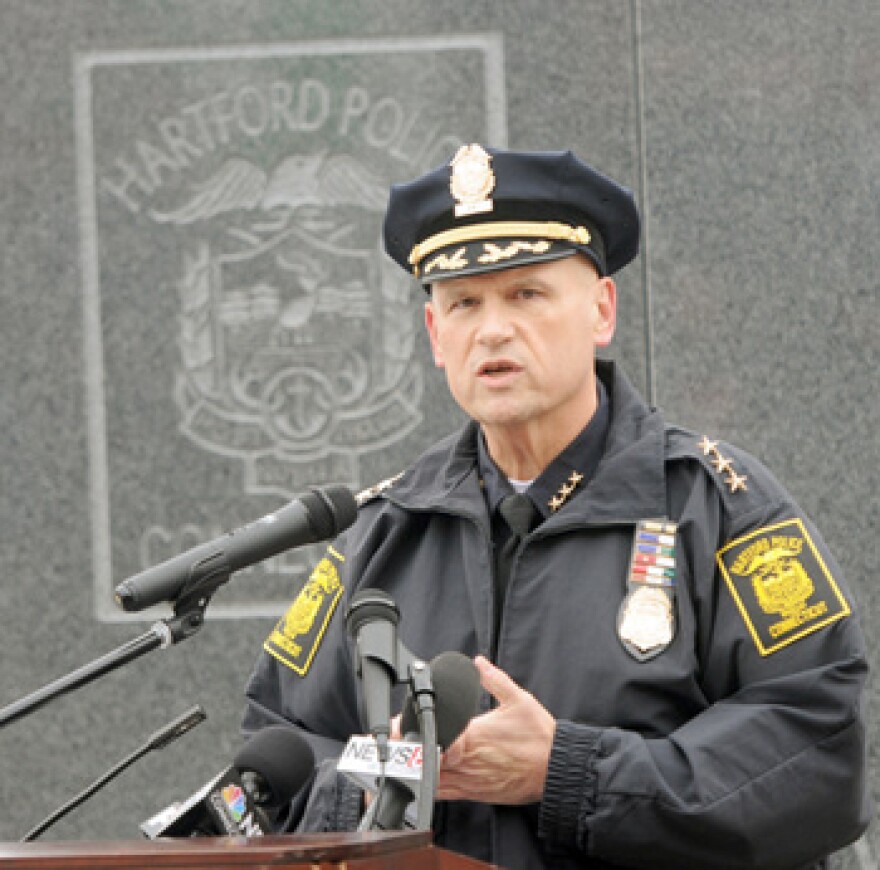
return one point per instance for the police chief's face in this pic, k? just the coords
(518, 344)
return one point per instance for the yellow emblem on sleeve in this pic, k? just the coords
(781, 584)
(295, 639)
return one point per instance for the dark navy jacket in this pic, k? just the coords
(740, 745)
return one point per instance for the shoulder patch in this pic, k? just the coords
(781, 584)
(297, 636)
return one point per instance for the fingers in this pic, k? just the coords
(455, 752)
(496, 682)
(502, 755)
(395, 727)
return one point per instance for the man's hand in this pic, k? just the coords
(502, 756)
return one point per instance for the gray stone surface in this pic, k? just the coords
(148, 199)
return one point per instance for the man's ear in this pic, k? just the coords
(431, 326)
(606, 312)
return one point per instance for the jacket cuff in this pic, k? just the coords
(349, 805)
(332, 803)
(570, 790)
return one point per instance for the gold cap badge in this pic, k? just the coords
(471, 180)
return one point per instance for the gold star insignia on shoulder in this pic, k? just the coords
(736, 481)
(722, 464)
(708, 446)
(376, 489)
(565, 491)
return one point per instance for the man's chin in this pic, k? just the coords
(505, 418)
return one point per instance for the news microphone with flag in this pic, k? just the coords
(158, 740)
(265, 774)
(319, 515)
(456, 685)
(371, 621)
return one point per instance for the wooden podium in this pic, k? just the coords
(360, 851)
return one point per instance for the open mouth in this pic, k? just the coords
(498, 367)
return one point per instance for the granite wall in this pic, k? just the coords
(167, 165)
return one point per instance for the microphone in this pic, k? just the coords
(456, 685)
(317, 516)
(371, 621)
(457, 692)
(159, 740)
(265, 774)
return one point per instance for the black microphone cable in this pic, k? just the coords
(159, 740)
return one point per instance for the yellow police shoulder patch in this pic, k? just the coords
(781, 584)
(295, 639)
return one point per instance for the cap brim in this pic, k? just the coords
(476, 258)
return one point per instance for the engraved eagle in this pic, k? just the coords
(299, 180)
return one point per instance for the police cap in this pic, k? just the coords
(491, 209)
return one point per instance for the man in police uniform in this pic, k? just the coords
(671, 668)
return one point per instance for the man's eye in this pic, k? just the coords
(462, 303)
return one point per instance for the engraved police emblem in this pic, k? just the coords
(246, 336)
(291, 338)
(471, 180)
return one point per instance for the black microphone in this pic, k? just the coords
(318, 516)
(456, 684)
(158, 740)
(371, 621)
(265, 774)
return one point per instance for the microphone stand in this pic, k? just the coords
(422, 689)
(189, 616)
(159, 740)
(418, 676)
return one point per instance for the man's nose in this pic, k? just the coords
(496, 325)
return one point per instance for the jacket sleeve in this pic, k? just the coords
(304, 679)
(771, 773)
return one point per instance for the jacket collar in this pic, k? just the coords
(628, 484)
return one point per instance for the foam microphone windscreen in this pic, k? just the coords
(281, 757)
(456, 694)
(331, 510)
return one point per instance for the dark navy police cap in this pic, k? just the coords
(490, 209)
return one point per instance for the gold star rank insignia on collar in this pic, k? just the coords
(565, 491)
